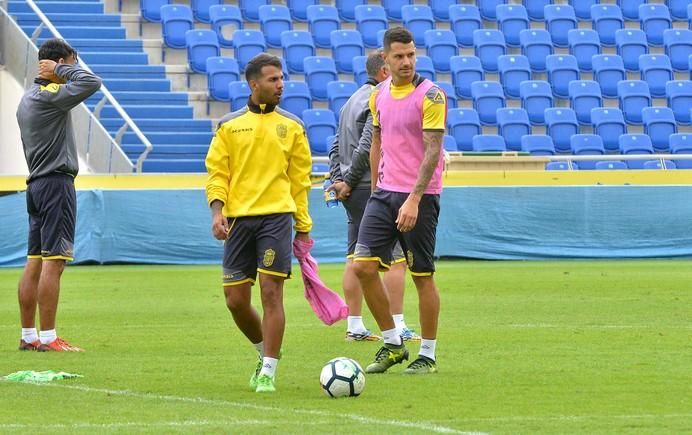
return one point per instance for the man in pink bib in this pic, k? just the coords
(406, 161)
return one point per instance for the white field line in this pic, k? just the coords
(539, 418)
(134, 424)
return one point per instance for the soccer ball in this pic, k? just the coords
(342, 377)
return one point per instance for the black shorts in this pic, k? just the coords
(51, 202)
(355, 206)
(378, 232)
(257, 243)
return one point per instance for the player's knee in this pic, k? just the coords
(365, 269)
(235, 301)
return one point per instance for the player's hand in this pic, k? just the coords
(219, 226)
(46, 69)
(303, 237)
(408, 214)
(343, 190)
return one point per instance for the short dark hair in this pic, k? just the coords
(374, 63)
(56, 49)
(396, 34)
(254, 68)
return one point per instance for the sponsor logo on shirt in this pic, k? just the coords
(241, 130)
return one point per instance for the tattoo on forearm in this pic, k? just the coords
(432, 140)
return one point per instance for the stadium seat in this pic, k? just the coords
(635, 144)
(488, 46)
(176, 20)
(380, 37)
(679, 9)
(247, 44)
(630, 8)
(561, 124)
(512, 19)
(320, 168)
(559, 19)
(393, 8)
(449, 144)
(582, 8)
(440, 8)
(608, 70)
(678, 45)
(370, 19)
(536, 97)
(630, 44)
(441, 46)
(536, 45)
(274, 19)
(487, 98)
(425, 67)
(360, 72)
(346, 44)
(536, 8)
(239, 92)
(583, 44)
(418, 19)
(488, 143)
(224, 20)
(319, 70)
(297, 45)
(201, 44)
(681, 143)
(607, 19)
(299, 8)
(586, 144)
(562, 69)
(200, 9)
(463, 21)
(633, 96)
(609, 123)
(488, 8)
(659, 124)
(150, 10)
(679, 96)
(609, 165)
(338, 93)
(448, 89)
(465, 70)
(559, 166)
(584, 95)
(220, 72)
(347, 9)
(513, 70)
(656, 70)
(659, 164)
(512, 125)
(322, 20)
(250, 9)
(296, 97)
(463, 124)
(538, 145)
(654, 19)
(319, 124)
(690, 66)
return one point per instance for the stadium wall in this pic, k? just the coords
(11, 154)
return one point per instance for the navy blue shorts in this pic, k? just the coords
(378, 232)
(51, 202)
(257, 243)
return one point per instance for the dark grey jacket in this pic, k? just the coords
(45, 123)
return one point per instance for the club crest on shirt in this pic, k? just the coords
(435, 95)
(281, 130)
(269, 256)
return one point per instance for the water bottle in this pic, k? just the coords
(330, 196)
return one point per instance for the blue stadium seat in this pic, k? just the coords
(582, 8)
(441, 45)
(463, 21)
(284, 69)
(465, 70)
(681, 143)
(380, 37)
(449, 144)
(536, 8)
(225, 19)
(200, 9)
(370, 19)
(678, 45)
(633, 96)
(609, 123)
(360, 72)
(220, 72)
(239, 93)
(393, 8)
(559, 19)
(630, 44)
(296, 97)
(587, 144)
(584, 95)
(536, 97)
(654, 19)
(297, 45)
(513, 70)
(247, 44)
(319, 70)
(299, 8)
(274, 19)
(690, 66)
(607, 19)
(659, 124)
(338, 93)
(488, 8)
(583, 44)
(487, 98)
(322, 20)
(448, 89)
(426, 68)
(679, 9)
(562, 69)
(201, 44)
(250, 9)
(609, 165)
(150, 10)
(536, 45)
(561, 124)
(347, 9)
(630, 8)
(679, 96)
(656, 70)
(488, 143)
(418, 19)
(538, 145)
(488, 46)
(463, 124)
(176, 20)
(608, 70)
(346, 44)
(319, 124)
(559, 166)
(635, 144)
(512, 19)
(321, 168)
(513, 124)
(659, 164)
(440, 8)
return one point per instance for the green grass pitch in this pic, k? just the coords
(594, 347)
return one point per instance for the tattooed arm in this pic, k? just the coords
(375, 153)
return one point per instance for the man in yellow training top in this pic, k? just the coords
(259, 168)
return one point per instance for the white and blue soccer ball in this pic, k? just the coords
(342, 377)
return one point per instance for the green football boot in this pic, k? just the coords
(387, 356)
(265, 384)
(421, 366)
